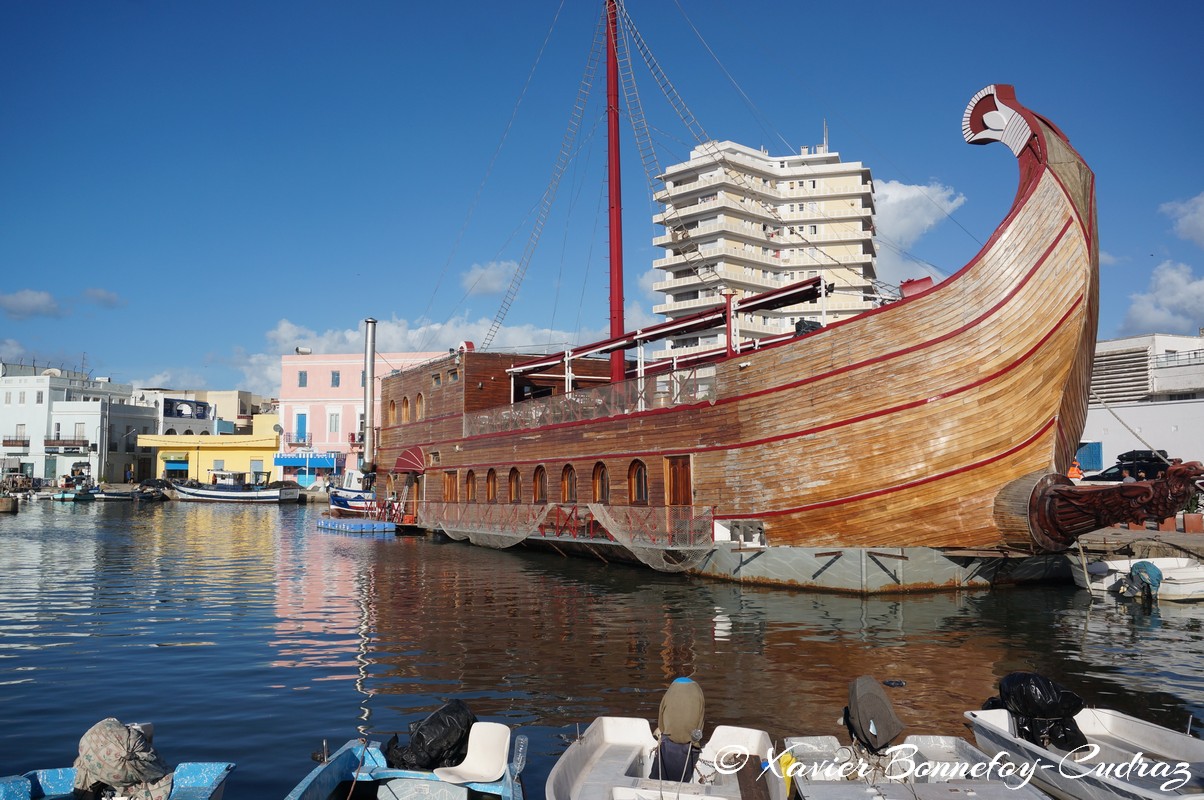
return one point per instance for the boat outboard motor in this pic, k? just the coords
(119, 760)
(869, 716)
(679, 731)
(1042, 709)
(1143, 581)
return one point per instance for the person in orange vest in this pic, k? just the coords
(1075, 470)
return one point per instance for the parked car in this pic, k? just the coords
(1115, 474)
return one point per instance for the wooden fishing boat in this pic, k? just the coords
(227, 486)
(915, 446)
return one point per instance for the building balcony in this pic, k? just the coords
(13, 441)
(297, 439)
(66, 443)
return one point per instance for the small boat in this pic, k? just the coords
(227, 486)
(616, 757)
(1090, 753)
(1181, 579)
(107, 752)
(360, 764)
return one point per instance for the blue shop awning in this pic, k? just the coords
(323, 461)
(175, 465)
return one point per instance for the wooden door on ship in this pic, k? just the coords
(679, 494)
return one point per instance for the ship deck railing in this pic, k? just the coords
(680, 387)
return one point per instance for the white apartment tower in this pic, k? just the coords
(737, 219)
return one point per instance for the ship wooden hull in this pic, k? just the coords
(922, 424)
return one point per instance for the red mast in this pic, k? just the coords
(617, 360)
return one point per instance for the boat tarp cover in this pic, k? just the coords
(870, 717)
(122, 757)
(1042, 708)
(682, 710)
(440, 740)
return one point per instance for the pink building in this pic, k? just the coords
(322, 410)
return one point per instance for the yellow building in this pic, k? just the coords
(196, 456)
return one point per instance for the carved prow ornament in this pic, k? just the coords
(1060, 511)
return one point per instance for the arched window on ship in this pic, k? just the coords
(637, 484)
(470, 487)
(601, 484)
(568, 484)
(540, 489)
(516, 486)
(491, 486)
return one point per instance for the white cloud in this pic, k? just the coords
(488, 278)
(647, 279)
(11, 349)
(174, 379)
(1172, 303)
(29, 303)
(1188, 217)
(103, 297)
(1106, 259)
(904, 214)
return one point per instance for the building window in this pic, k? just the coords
(392, 412)
(335, 378)
(39, 397)
(436, 379)
(470, 487)
(332, 423)
(21, 398)
(516, 486)
(568, 484)
(418, 407)
(219, 463)
(405, 409)
(453, 375)
(637, 484)
(363, 378)
(302, 379)
(491, 486)
(80, 433)
(539, 492)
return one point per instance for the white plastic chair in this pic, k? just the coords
(485, 761)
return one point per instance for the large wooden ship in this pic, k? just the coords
(919, 445)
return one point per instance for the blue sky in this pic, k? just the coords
(189, 190)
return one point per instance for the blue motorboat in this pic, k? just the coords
(359, 769)
(190, 781)
(120, 760)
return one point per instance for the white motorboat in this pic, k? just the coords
(1182, 577)
(613, 760)
(1078, 753)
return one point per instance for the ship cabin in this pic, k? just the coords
(475, 430)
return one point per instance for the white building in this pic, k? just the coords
(58, 422)
(739, 219)
(1147, 393)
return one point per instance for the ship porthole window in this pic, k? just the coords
(637, 484)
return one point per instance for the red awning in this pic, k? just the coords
(412, 459)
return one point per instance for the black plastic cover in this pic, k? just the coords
(440, 740)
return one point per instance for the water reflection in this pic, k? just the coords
(249, 631)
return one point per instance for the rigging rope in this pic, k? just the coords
(562, 161)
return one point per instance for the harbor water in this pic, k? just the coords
(248, 634)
